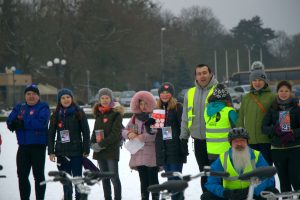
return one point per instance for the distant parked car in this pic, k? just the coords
(155, 93)
(242, 88)
(181, 94)
(126, 97)
(296, 91)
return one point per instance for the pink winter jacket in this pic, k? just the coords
(145, 156)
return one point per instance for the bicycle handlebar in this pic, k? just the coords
(98, 175)
(171, 186)
(261, 173)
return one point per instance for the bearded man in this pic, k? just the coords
(239, 159)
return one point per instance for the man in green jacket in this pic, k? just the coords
(253, 109)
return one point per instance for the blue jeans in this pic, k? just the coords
(176, 167)
(73, 166)
(111, 166)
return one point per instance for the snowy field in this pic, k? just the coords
(129, 179)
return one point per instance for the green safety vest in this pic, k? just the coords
(217, 131)
(190, 103)
(232, 182)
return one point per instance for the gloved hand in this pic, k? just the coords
(238, 194)
(11, 127)
(184, 147)
(150, 122)
(287, 137)
(18, 124)
(96, 147)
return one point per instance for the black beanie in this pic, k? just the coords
(167, 87)
(33, 88)
(220, 93)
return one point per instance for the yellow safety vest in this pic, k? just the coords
(217, 131)
(232, 182)
(190, 103)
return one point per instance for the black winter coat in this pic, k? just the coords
(111, 123)
(170, 151)
(271, 120)
(79, 132)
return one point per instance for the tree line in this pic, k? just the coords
(119, 43)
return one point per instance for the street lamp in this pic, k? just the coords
(162, 52)
(59, 64)
(13, 70)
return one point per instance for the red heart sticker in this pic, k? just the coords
(31, 112)
(105, 120)
(166, 86)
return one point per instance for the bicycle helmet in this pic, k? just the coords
(237, 133)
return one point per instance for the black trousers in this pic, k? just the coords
(202, 158)
(287, 163)
(111, 166)
(31, 156)
(148, 176)
(265, 150)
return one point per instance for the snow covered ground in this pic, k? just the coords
(129, 179)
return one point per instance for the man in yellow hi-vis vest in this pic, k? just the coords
(193, 123)
(239, 159)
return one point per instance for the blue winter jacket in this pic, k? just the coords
(36, 119)
(215, 186)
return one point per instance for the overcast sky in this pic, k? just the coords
(276, 14)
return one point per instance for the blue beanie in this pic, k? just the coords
(64, 91)
(32, 88)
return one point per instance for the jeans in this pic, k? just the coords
(73, 166)
(31, 156)
(175, 168)
(111, 166)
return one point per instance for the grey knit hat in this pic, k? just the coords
(258, 72)
(105, 91)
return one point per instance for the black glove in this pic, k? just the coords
(184, 147)
(238, 194)
(150, 122)
(18, 124)
(11, 127)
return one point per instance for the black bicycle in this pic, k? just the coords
(82, 184)
(171, 187)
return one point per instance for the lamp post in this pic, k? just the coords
(59, 64)
(162, 52)
(13, 70)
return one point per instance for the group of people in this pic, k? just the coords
(268, 131)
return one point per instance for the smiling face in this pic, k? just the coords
(258, 84)
(165, 96)
(105, 100)
(284, 93)
(31, 98)
(203, 76)
(66, 100)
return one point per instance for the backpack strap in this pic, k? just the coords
(262, 108)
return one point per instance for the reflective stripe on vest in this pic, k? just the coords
(190, 103)
(232, 182)
(217, 131)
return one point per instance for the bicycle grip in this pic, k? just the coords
(219, 174)
(171, 186)
(57, 173)
(167, 174)
(101, 175)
